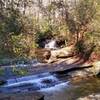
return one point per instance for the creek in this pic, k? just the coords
(53, 86)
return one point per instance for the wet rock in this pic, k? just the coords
(42, 98)
(48, 81)
(91, 97)
(47, 55)
(62, 53)
(2, 82)
(80, 73)
(87, 72)
(96, 67)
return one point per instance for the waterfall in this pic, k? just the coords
(51, 45)
(36, 82)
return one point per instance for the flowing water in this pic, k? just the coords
(37, 82)
(73, 91)
(51, 45)
(54, 86)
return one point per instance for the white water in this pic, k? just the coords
(51, 45)
(57, 88)
(19, 81)
(40, 82)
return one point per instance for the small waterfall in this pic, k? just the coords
(51, 45)
(32, 83)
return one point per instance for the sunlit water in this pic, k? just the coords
(53, 86)
(40, 82)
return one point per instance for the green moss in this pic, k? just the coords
(20, 72)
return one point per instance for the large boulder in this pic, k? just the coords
(2, 82)
(90, 97)
(63, 52)
(96, 67)
(60, 53)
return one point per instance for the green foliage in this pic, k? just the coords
(9, 25)
(20, 72)
(16, 34)
(84, 49)
(85, 11)
(18, 47)
(80, 18)
(80, 47)
(21, 33)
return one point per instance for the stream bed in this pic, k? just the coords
(53, 86)
(33, 83)
(74, 90)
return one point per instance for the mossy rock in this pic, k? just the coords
(20, 72)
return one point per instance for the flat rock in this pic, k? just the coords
(96, 67)
(91, 97)
(62, 53)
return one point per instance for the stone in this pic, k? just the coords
(62, 53)
(47, 81)
(47, 55)
(42, 54)
(96, 67)
(2, 82)
(81, 73)
(90, 97)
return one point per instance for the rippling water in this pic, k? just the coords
(53, 86)
(38, 82)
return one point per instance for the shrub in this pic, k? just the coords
(84, 49)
